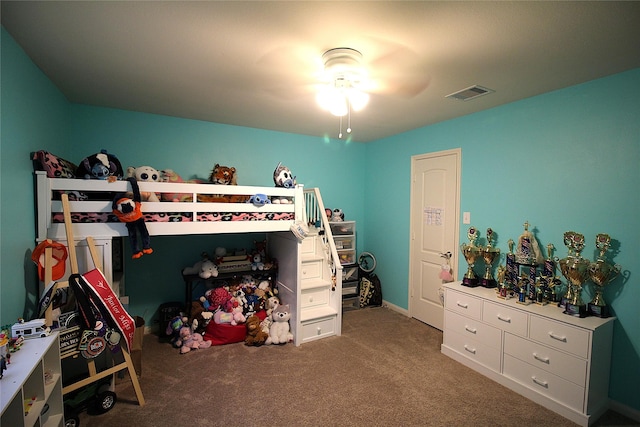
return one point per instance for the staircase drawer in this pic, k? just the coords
(314, 297)
(311, 269)
(318, 328)
(308, 245)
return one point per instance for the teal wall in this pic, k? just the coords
(566, 160)
(34, 115)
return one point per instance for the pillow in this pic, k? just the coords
(56, 167)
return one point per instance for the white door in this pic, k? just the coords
(435, 209)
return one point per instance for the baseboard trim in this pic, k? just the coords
(396, 308)
(625, 410)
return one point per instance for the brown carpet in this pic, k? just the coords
(385, 370)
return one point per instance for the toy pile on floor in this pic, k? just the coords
(240, 305)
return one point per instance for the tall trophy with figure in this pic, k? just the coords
(575, 269)
(601, 273)
(471, 252)
(489, 254)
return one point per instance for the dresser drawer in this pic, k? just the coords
(463, 303)
(560, 335)
(561, 364)
(318, 328)
(545, 383)
(314, 297)
(472, 328)
(473, 349)
(311, 269)
(506, 318)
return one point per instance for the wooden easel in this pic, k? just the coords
(94, 375)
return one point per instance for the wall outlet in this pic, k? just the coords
(466, 218)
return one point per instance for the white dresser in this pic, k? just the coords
(559, 361)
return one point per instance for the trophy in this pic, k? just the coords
(489, 254)
(601, 273)
(575, 269)
(470, 252)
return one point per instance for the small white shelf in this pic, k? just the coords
(24, 379)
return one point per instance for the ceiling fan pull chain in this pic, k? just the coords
(349, 117)
(340, 133)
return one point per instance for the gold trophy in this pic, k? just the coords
(470, 252)
(489, 254)
(575, 269)
(601, 273)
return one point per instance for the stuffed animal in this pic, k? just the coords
(223, 175)
(189, 340)
(145, 174)
(279, 331)
(337, 215)
(128, 210)
(255, 334)
(256, 262)
(173, 328)
(283, 177)
(100, 166)
(168, 175)
(238, 315)
(272, 303)
(205, 268)
(220, 298)
(199, 316)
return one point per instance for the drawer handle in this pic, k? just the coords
(557, 337)
(540, 383)
(461, 305)
(472, 330)
(541, 359)
(504, 319)
(470, 350)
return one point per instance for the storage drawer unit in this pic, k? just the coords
(559, 361)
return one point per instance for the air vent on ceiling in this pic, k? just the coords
(470, 93)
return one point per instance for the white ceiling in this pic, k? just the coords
(254, 64)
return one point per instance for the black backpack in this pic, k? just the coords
(370, 290)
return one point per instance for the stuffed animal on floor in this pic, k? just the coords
(100, 166)
(199, 316)
(220, 298)
(283, 177)
(255, 334)
(279, 331)
(128, 210)
(173, 328)
(189, 340)
(145, 174)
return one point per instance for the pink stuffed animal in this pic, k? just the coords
(189, 340)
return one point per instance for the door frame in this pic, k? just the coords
(454, 261)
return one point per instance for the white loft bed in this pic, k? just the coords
(178, 218)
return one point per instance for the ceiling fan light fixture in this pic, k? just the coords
(344, 74)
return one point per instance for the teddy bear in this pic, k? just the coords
(279, 332)
(145, 174)
(256, 336)
(189, 340)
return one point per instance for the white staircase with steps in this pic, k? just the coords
(312, 282)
